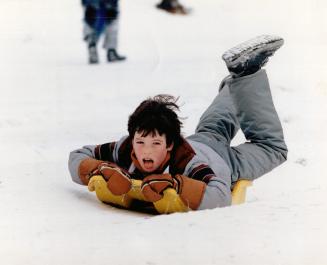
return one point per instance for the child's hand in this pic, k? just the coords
(154, 185)
(190, 190)
(118, 180)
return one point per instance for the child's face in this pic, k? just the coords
(150, 150)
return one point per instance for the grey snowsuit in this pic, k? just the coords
(244, 103)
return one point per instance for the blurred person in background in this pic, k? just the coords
(101, 17)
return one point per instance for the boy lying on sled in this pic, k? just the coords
(201, 168)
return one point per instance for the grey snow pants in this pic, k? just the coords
(245, 103)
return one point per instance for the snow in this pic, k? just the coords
(52, 102)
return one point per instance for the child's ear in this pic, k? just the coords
(170, 147)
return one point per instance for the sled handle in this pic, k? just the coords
(239, 191)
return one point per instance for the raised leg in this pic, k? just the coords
(261, 126)
(219, 122)
(245, 101)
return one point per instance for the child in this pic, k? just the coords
(101, 16)
(203, 167)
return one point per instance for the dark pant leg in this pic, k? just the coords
(110, 10)
(94, 18)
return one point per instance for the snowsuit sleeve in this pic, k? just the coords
(217, 192)
(209, 167)
(75, 158)
(103, 152)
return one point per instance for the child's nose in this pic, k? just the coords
(147, 150)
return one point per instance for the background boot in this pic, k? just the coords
(113, 56)
(93, 54)
(172, 6)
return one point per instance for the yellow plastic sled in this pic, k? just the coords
(170, 203)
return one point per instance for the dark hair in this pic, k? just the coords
(157, 114)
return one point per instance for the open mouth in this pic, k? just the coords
(148, 163)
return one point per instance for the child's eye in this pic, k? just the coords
(139, 142)
(157, 143)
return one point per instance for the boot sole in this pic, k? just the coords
(243, 51)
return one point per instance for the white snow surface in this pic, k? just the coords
(53, 102)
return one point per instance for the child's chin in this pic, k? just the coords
(149, 170)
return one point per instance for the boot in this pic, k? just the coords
(172, 6)
(248, 57)
(93, 55)
(113, 56)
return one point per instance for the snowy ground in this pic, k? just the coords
(53, 102)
